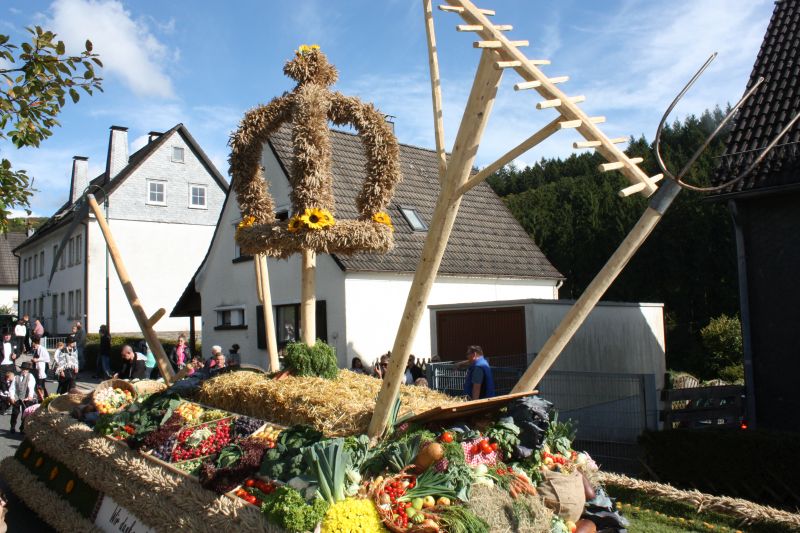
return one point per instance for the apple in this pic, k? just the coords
(417, 503)
(572, 526)
(410, 512)
(443, 501)
(428, 502)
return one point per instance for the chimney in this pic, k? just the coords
(390, 121)
(153, 135)
(80, 177)
(117, 151)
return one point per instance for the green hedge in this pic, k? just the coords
(93, 347)
(760, 466)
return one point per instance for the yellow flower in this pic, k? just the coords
(351, 516)
(246, 222)
(315, 218)
(305, 49)
(383, 218)
(295, 224)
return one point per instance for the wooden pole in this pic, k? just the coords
(476, 115)
(150, 336)
(577, 314)
(265, 297)
(308, 298)
(436, 89)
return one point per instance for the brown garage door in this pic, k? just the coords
(498, 330)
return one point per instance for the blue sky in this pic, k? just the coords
(204, 63)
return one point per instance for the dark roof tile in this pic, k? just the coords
(8, 261)
(486, 240)
(766, 113)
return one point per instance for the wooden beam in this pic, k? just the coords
(638, 187)
(456, 9)
(569, 110)
(555, 102)
(509, 156)
(515, 64)
(602, 281)
(465, 148)
(499, 44)
(164, 366)
(620, 140)
(155, 317)
(308, 298)
(478, 27)
(436, 89)
(265, 298)
(616, 165)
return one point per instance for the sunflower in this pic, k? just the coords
(246, 222)
(295, 224)
(305, 49)
(315, 218)
(383, 218)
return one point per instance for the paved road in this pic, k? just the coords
(20, 519)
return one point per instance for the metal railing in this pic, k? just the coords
(610, 410)
(50, 343)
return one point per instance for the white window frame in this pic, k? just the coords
(163, 183)
(191, 195)
(183, 154)
(241, 314)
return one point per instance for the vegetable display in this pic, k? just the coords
(418, 479)
(111, 400)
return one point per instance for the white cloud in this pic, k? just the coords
(127, 47)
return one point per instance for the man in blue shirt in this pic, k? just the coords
(479, 382)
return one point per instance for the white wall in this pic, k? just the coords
(160, 258)
(223, 282)
(8, 297)
(71, 278)
(375, 303)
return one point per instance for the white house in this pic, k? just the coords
(9, 294)
(360, 298)
(161, 202)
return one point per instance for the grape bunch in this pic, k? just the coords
(164, 450)
(246, 426)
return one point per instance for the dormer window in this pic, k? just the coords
(177, 154)
(413, 219)
(156, 192)
(197, 196)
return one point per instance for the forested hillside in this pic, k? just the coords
(574, 214)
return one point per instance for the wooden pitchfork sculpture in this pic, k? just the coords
(658, 205)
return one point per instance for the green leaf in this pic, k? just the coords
(89, 45)
(60, 48)
(74, 95)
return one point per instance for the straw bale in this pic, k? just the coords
(339, 407)
(526, 514)
(746, 511)
(51, 508)
(164, 500)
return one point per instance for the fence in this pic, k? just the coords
(703, 407)
(51, 342)
(610, 410)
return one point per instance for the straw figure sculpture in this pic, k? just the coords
(309, 107)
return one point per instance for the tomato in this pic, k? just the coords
(250, 483)
(446, 437)
(486, 448)
(494, 446)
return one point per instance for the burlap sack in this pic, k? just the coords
(563, 493)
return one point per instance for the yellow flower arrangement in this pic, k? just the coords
(383, 218)
(295, 224)
(305, 49)
(246, 222)
(315, 218)
(351, 516)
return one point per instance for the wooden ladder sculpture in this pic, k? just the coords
(499, 54)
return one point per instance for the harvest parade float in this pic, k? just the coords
(310, 447)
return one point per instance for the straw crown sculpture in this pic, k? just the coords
(309, 107)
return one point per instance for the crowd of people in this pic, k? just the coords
(478, 383)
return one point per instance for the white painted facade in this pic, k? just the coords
(8, 297)
(363, 308)
(161, 244)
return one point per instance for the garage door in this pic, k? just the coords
(498, 330)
